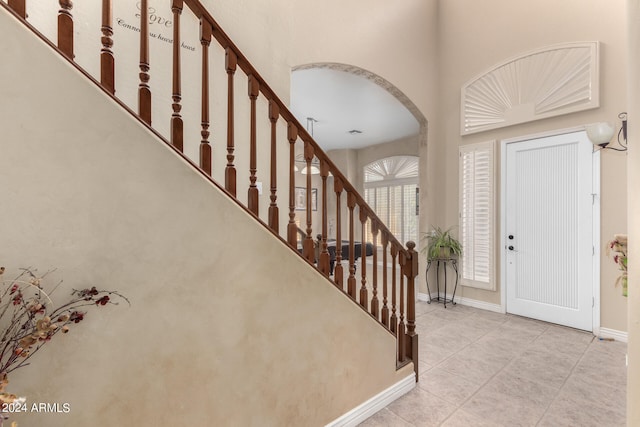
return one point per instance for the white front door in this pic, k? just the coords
(548, 229)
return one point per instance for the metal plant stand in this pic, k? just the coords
(444, 262)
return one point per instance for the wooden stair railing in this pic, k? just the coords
(399, 317)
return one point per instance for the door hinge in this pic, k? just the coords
(593, 302)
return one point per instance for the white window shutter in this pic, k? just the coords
(390, 188)
(477, 215)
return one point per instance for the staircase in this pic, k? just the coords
(234, 141)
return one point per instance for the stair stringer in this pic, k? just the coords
(227, 325)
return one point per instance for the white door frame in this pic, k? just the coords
(596, 219)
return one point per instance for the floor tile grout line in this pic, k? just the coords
(483, 383)
(495, 374)
(523, 346)
(565, 381)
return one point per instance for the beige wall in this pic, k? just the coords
(633, 377)
(464, 47)
(263, 31)
(216, 334)
(470, 46)
(398, 43)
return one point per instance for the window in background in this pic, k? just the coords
(390, 188)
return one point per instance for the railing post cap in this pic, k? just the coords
(411, 245)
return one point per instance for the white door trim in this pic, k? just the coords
(596, 219)
(596, 241)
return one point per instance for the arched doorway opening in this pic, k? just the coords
(341, 141)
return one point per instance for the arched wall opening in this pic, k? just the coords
(352, 162)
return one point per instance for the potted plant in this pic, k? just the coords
(441, 244)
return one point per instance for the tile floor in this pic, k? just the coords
(479, 368)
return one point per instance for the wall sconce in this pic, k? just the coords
(600, 134)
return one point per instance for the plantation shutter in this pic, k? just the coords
(395, 205)
(390, 188)
(477, 213)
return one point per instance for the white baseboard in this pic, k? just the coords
(601, 332)
(375, 404)
(423, 297)
(612, 333)
(497, 308)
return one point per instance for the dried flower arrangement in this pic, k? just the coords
(619, 248)
(28, 320)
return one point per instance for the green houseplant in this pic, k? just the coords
(441, 244)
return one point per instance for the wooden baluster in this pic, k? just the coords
(231, 62)
(323, 263)
(394, 318)
(292, 228)
(107, 60)
(375, 309)
(401, 327)
(65, 28)
(411, 268)
(177, 126)
(274, 114)
(385, 308)
(338, 274)
(351, 281)
(252, 202)
(364, 295)
(205, 147)
(19, 7)
(144, 91)
(308, 248)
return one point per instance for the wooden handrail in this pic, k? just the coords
(397, 320)
(244, 64)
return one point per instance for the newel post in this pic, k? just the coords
(411, 271)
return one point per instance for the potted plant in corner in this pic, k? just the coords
(441, 244)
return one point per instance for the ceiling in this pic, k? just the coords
(341, 102)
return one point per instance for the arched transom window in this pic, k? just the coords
(391, 189)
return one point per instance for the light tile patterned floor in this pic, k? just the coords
(479, 368)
